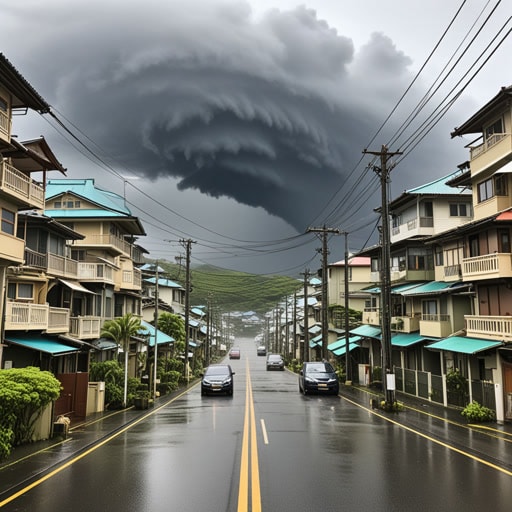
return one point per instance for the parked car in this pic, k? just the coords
(217, 378)
(275, 362)
(318, 377)
(261, 350)
(234, 353)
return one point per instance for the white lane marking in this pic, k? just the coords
(263, 428)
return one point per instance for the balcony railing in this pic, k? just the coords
(371, 316)
(488, 266)
(106, 241)
(85, 327)
(58, 320)
(452, 272)
(26, 316)
(95, 272)
(5, 126)
(132, 279)
(489, 327)
(53, 263)
(438, 326)
(405, 323)
(20, 186)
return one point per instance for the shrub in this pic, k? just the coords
(478, 413)
(24, 394)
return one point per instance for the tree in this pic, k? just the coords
(121, 330)
(173, 325)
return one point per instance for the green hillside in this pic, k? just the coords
(230, 290)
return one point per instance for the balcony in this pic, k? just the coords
(85, 327)
(413, 227)
(20, 187)
(489, 266)
(489, 327)
(23, 316)
(11, 248)
(95, 273)
(109, 242)
(438, 326)
(452, 273)
(491, 151)
(371, 316)
(405, 323)
(54, 264)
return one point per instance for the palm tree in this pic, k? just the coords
(121, 330)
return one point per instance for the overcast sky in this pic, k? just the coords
(241, 124)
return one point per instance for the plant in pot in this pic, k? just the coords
(141, 399)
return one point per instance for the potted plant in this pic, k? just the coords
(141, 399)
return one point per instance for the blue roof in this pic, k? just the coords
(166, 283)
(39, 342)
(464, 345)
(161, 337)
(439, 187)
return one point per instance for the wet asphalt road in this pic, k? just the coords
(266, 448)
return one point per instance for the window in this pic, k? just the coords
(3, 105)
(8, 220)
(17, 291)
(398, 262)
(417, 259)
(375, 265)
(428, 209)
(57, 205)
(493, 131)
(439, 257)
(429, 307)
(504, 240)
(459, 210)
(496, 186)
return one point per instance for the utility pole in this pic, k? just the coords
(388, 377)
(294, 331)
(187, 245)
(155, 364)
(305, 346)
(348, 365)
(325, 327)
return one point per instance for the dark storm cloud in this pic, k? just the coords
(271, 112)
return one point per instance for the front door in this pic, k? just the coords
(507, 389)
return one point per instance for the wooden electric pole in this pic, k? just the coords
(388, 377)
(325, 327)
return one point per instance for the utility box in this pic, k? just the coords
(364, 374)
(95, 397)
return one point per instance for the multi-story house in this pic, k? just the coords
(106, 255)
(481, 251)
(358, 278)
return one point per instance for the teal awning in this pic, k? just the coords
(340, 351)
(407, 339)
(464, 345)
(161, 337)
(435, 287)
(366, 331)
(313, 342)
(395, 289)
(42, 344)
(340, 342)
(314, 329)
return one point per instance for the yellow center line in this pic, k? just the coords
(249, 434)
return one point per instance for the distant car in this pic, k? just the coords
(275, 362)
(318, 377)
(217, 379)
(234, 353)
(262, 350)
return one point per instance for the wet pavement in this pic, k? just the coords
(31, 461)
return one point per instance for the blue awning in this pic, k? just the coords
(464, 345)
(366, 331)
(408, 339)
(340, 342)
(314, 342)
(42, 344)
(340, 351)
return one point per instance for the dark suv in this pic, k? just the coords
(318, 377)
